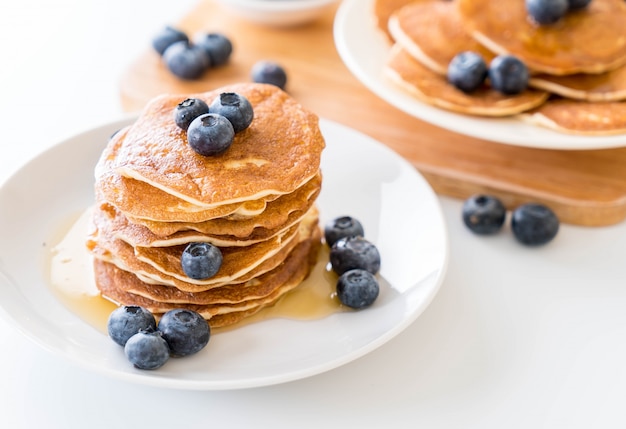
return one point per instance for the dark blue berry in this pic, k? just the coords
(545, 12)
(185, 331)
(166, 37)
(210, 134)
(217, 46)
(147, 350)
(508, 75)
(483, 214)
(344, 226)
(357, 288)
(467, 71)
(350, 253)
(235, 107)
(188, 110)
(578, 4)
(534, 224)
(126, 321)
(186, 61)
(201, 260)
(269, 72)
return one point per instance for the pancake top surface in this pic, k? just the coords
(433, 33)
(279, 151)
(591, 40)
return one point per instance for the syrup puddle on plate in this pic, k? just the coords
(72, 282)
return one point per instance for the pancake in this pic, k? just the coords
(276, 154)
(382, 11)
(609, 86)
(579, 117)
(432, 32)
(403, 70)
(225, 306)
(286, 209)
(590, 40)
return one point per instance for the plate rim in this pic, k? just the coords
(442, 118)
(250, 382)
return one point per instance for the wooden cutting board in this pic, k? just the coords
(582, 187)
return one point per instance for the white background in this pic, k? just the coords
(516, 338)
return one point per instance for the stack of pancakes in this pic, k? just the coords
(577, 65)
(256, 202)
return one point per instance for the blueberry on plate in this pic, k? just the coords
(188, 110)
(235, 107)
(186, 61)
(357, 288)
(508, 74)
(127, 320)
(534, 224)
(350, 253)
(185, 331)
(545, 12)
(340, 227)
(210, 134)
(483, 214)
(147, 350)
(467, 71)
(166, 37)
(201, 260)
(578, 4)
(217, 46)
(269, 72)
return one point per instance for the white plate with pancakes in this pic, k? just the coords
(364, 49)
(362, 178)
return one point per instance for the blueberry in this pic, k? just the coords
(147, 350)
(235, 107)
(269, 72)
(349, 253)
(344, 226)
(210, 134)
(185, 331)
(545, 12)
(508, 74)
(578, 4)
(201, 260)
(188, 110)
(166, 37)
(483, 214)
(357, 288)
(217, 46)
(467, 71)
(534, 224)
(126, 321)
(186, 61)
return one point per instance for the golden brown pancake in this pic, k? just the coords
(579, 117)
(276, 154)
(430, 87)
(608, 86)
(432, 32)
(286, 209)
(591, 40)
(382, 11)
(223, 306)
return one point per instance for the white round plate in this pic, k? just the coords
(364, 50)
(362, 178)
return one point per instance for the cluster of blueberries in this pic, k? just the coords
(533, 224)
(189, 60)
(179, 333)
(356, 261)
(211, 128)
(545, 12)
(506, 73)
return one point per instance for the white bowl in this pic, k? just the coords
(278, 12)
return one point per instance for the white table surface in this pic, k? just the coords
(516, 338)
